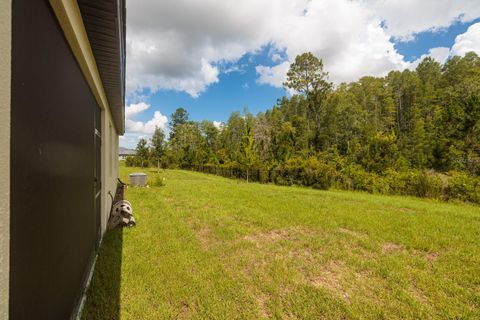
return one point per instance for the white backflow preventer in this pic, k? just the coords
(121, 215)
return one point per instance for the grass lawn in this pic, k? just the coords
(207, 247)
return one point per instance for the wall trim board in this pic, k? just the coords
(5, 116)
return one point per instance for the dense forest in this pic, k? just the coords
(410, 132)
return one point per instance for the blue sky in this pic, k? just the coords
(234, 91)
(424, 41)
(213, 67)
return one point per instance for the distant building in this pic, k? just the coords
(123, 153)
(62, 73)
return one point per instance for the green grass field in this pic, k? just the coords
(207, 247)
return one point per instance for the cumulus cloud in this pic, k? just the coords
(466, 42)
(179, 44)
(350, 40)
(274, 76)
(137, 127)
(276, 57)
(404, 18)
(158, 120)
(130, 140)
(135, 108)
(469, 41)
(182, 45)
(440, 54)
(218, 124)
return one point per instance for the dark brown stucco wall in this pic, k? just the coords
(53, 226)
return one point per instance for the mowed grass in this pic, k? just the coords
(207, 247)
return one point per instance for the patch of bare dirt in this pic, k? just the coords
(431, 256)
(208, 207)
(276, 235)
(418, 295)
(390, 247)
(352, 233)
(330, 277)
(184, 312)
(203, 232)
(428, 256)
(306, 256)
(273, 235)
(262, 305)
(310, 264)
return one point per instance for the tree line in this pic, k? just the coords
(415, 129)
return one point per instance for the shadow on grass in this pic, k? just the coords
(103, 296)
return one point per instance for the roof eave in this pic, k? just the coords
(106, 29)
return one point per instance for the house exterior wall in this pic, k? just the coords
(70, 20)
(69, 17)
(5, 59)
(53, 224)
(54, 227)
(50, 95)
(109, 165)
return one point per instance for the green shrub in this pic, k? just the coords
(322, 174)
(132, 161)
(264, 176)
(157, 181)
(311, 173)
(318, 174)
(423, 184)
(282, 181)
(431, 185)
(354, 177)
(394, 182)
(463, 187)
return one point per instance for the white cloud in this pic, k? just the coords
(182, 45)
(234, 68)
(130, 140)
(178, 44)
(274, 76)
(276, 57)
(158, 120)
(136, 129)
(469, 41)
(404, 18)
(440, 54)
(466, 42)
(218, 124)
(135, 108)
(344, 34)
